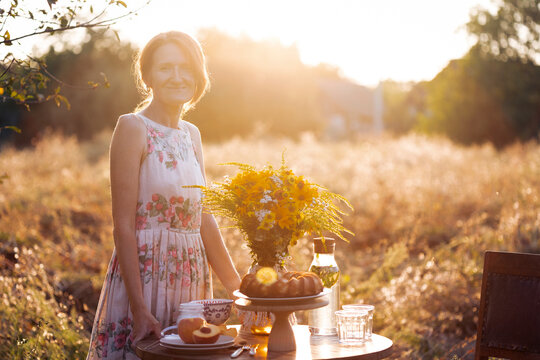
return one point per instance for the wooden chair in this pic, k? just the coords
(509, 316)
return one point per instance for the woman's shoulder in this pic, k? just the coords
(130, 124)
(130, 121)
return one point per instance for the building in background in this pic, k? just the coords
(350, 108)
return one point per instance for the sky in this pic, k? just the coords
(369, 41)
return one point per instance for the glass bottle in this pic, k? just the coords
(322, 321)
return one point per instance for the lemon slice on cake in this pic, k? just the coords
(266, 275)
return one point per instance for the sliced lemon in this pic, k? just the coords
(266, 275)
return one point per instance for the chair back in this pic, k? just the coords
(509, 314)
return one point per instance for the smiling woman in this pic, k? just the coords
(164, 244)
(171, 77)
(173, 65)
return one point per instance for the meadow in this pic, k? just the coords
(425, 210)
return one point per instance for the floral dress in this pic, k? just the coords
(172, 260)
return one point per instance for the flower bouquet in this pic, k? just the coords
(273, 208)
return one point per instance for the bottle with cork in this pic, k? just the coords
(322, 321)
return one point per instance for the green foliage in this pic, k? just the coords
(34, 325)
(90, 109)
(27, 80)
(512, 33)
(477, 99)
(489, 95)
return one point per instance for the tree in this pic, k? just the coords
(90, 111)
(26, 79)
(478, 99)
(459, 106)
(513, 32)
(492, 93)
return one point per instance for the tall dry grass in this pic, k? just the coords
(425, 211)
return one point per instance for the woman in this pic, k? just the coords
(163, 242)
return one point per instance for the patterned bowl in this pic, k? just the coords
(216, 311)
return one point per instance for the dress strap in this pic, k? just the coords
(186, 127)
(195, 151)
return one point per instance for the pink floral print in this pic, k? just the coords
(113, 336)
(171, 255)
(167, 152)
(173, 213)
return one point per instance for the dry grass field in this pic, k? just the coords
(425, 211)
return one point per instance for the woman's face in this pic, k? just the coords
(171, 76)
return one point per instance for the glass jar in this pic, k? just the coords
(322, 321)
(190, 310)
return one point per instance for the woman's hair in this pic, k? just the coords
(193, 50)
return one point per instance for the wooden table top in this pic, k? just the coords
(307, 347)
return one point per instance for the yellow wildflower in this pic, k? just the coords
(270, 217)
(265, 225)
(291, 179)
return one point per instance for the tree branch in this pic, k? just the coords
(88, 24)
(7, 69)
(49, 74)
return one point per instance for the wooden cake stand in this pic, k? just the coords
(281, 336)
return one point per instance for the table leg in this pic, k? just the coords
(281, 337)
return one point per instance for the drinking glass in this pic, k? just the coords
(363, 307)
(351, 326)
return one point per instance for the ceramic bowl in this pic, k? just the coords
(216, 311)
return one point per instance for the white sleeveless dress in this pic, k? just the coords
(172, 259)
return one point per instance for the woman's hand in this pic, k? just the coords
(144, 324)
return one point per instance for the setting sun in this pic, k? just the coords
(368, 41)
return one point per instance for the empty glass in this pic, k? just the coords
(363, 307)
(351, 326)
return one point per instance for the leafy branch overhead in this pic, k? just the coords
(25, 79)
(510, 33)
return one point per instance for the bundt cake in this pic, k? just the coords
(289, 284)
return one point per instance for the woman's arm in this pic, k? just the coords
(127, 149)
(217, 253)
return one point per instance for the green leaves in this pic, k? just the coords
(59, 99)
(10, 127)
(513, 32)
(7, 38)
(63, 22)
(24, 79)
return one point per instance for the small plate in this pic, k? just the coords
(196, 350)
(325, 291)
(174, 341)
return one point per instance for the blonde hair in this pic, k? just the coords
(191, 47)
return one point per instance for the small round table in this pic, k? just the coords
(307, 347)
